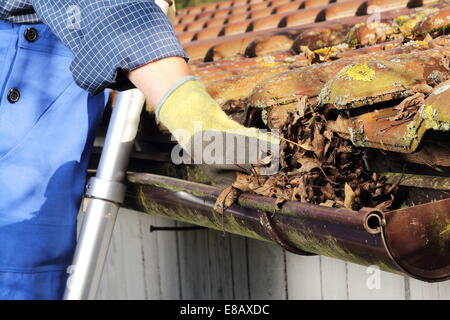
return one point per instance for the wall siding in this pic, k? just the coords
(206, 264)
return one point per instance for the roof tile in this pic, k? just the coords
(270, 54)
(366, 83)
(236, 44)
(287, 7)
(238, 17)
(315, 3)
(342, 10)
(235, 28)
(208, 33)
(261, 13)
(196, 25)
(210, 6)
(435, 23)
(238, 10)
(265, 45)
(301, 17)
(437, 107)
(270, 22)
(186, 36)
(260, 5)
(309, 81)
(216, 22)
(225, 4)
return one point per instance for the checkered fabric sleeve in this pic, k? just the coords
(109, 38)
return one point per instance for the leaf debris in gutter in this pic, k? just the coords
(319, 168)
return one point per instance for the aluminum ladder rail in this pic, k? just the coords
(105, 193)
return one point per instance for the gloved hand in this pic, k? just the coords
(206, 133)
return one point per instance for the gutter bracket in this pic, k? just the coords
(275, 235)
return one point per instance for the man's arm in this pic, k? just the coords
(156, 78)
(110, 38)
(121, 42)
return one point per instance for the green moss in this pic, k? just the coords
(267, 207)
(328, 246)
(320, 44)
(386, 268)
(195, 174)
(178, 189)
(258, 206)
(167, 169)
(440, 235)
(226, 222)
(413, 180)
(354, 43)
(445, 231)
(444, 30)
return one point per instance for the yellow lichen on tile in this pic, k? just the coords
(326, 51)
(359, 71)
(428, 112)
(266, 61)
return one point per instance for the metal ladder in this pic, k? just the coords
(105, 193)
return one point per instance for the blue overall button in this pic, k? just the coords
(13, 95)
(31, 34)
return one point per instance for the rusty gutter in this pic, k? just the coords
(414, 241)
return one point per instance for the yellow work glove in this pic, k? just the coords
(206, 133)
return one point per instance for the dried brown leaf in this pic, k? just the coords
(242, 182)
(328, 203)
(409, 107)
(328, 191)
(302, 106)
(318, 142)
(226, 199)
(350, 195)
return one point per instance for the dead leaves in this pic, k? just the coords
(310, 55)
(409, 107)
(318, 142)
(226, 199)
(349, 197)
(302, 107)
(319, 167)
(308, 165)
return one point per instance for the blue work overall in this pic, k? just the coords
(47, 128)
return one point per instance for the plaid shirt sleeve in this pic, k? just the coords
(110, 38)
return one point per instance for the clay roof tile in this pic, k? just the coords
(237, 17)
(269, 54)
(301, 17)
(287, 7)
(261, 13)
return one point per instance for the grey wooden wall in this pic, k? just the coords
(206, 264)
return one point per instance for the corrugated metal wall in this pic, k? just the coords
(207, 264)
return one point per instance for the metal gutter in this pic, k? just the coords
(414, 241)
